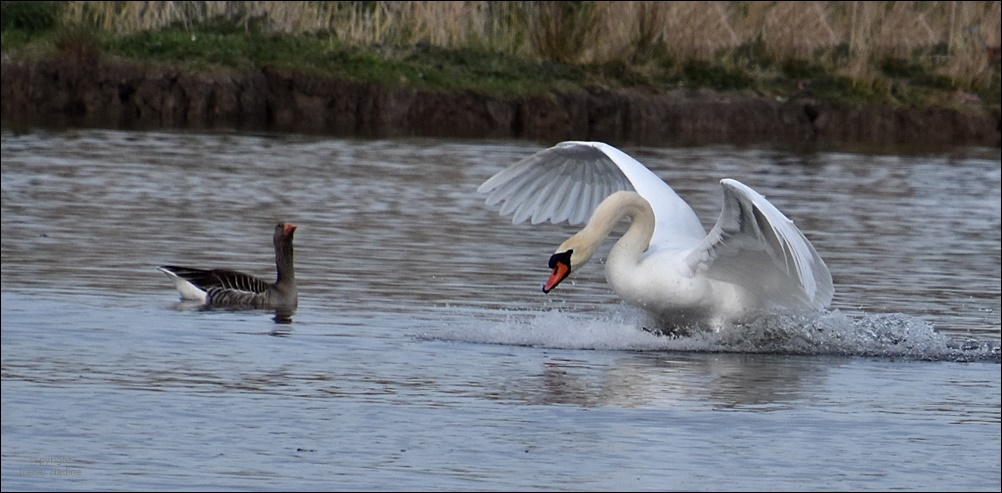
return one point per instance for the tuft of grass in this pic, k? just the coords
(423, 65)
(848, 90)
(799, 69)
(562, 31)
(29, 17)
(183, 47)
(754, 54)
(902, 68)
(24, 23)
(699, 73)
(77, 43)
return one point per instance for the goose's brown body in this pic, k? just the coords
(229, 288)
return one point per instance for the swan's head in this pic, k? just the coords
(560, 262)
(571, 255)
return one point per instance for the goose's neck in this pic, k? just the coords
(285, 262)
(614, 208)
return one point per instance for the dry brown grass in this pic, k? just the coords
(604, 31)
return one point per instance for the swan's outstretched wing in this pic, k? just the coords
(755, 246)
(567, 181)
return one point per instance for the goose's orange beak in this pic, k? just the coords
(561, 265)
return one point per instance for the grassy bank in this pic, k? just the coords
(900, 53)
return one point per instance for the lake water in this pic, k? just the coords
(424, 356)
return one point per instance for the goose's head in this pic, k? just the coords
(283, 232)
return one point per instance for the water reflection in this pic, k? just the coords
(283, 315)
(731, 381)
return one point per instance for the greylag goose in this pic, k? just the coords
(228, 288)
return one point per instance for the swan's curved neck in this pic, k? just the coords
(615, 207)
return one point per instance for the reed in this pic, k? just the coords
(854, 39)
(693, 29)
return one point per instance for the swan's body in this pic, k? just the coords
(754, 257)
(229, 288)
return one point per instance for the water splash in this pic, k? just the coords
(831, 333)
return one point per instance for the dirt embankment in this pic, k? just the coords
(135, 96)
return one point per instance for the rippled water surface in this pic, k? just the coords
(424, 356)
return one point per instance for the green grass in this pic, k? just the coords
(421, 66)
(29, 17)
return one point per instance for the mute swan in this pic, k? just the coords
(754, 258)
(223, 287)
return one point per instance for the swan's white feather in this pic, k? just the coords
(586, 173)
(752, 245)
(755, 245)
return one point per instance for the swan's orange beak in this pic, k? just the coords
(561, 265)
(289, 228)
